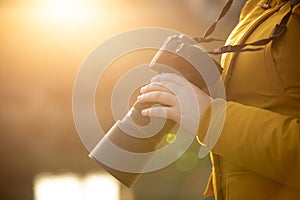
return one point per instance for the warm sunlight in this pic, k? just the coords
(66, 2)
(66, 11)
(75, 187)
(99, 186)
(59, 187)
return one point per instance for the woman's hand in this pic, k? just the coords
(181, 101)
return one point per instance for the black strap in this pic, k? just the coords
(212, 27)
(278, 31)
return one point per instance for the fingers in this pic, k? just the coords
(154, 87)
(170, 77)
(174, 93)
(161, 112)
(173, 82)
(161, 97)
(164, 86)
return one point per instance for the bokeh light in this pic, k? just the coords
(60, 187)
(73, 186)
(170, 138)
(187, 162)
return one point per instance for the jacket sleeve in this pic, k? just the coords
(258, 140)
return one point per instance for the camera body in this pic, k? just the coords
(137, 134)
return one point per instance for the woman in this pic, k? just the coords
(257, 155)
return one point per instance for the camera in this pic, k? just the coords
(137, 134)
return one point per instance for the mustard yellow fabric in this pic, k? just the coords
(258, 153)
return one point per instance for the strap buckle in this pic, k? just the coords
(278, 31)
(223, 49)
(294, 2)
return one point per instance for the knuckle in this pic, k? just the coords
(150, 86)
(145, 88)
(157, 95)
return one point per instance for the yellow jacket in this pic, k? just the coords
(258, 153)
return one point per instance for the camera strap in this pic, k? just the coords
(278, 31)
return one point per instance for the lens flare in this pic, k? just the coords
(170, 138)
(187, 162)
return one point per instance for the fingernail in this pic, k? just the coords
(139, 97)
(142, 89)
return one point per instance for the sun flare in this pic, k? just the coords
(62, 11)
(66, 2)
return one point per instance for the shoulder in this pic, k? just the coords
(249, 7)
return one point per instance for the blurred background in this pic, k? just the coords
(42, 46)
